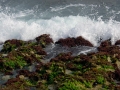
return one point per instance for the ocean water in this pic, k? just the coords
(92, 19)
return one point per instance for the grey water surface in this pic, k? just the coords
(47, 9)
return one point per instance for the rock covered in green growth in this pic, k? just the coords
(106, 47)
(17, 62)
(13, 44)
(93, 71)
(10, 45)
(9, 63)
(55, 70)
(32, 53)
(15, 84)
(18, 84)
(23, 56)
(24, 84)
(71, 85)
(44, 40)
(100, 79)
(92, 67)
(32, 48)
(65, 57)
(24, 80)
(37, 79)
(39, 50)
(42, 86)
(86, 74)
(31, 75)
(50, 71)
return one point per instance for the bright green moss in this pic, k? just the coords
(88, 84)
(71, 85)
(100, 79)
(17, 62)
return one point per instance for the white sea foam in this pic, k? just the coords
(59, 27)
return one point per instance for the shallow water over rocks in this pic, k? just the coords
(53, 50)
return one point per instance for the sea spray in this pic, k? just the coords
(60, 27)
(95, 21)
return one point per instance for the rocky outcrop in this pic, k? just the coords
(94, 71)
(72, 42)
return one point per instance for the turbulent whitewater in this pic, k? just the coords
(94, 20)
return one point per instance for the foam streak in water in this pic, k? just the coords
(67, 6)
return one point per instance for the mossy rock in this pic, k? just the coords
(10, 45)
(44, 40)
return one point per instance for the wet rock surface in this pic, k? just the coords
(84, 71)
(71, 42)
(44, 40)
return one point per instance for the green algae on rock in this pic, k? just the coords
(44, 40)
(93, 71)
(10, 45)
(18, 53)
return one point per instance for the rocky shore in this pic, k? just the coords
(92, 71)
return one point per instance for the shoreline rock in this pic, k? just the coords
(96, 70)
(72, 42)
